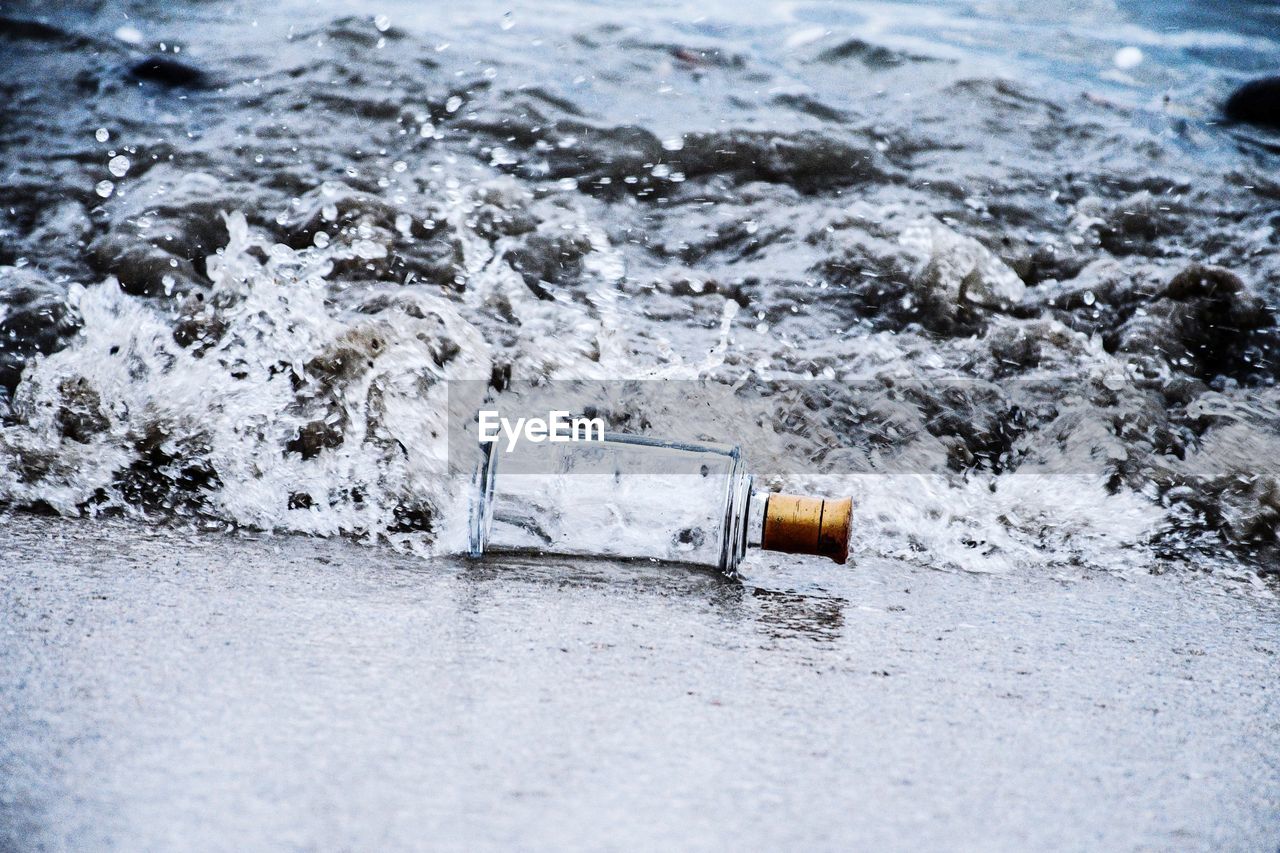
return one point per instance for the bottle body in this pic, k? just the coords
(633, 497)
(623, 497)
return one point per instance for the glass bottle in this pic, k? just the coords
(632, 497)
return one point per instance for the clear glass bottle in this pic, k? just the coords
(631, 497)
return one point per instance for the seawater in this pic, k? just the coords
(237, 283)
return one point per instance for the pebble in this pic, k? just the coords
(168, 72)
(1256, 102)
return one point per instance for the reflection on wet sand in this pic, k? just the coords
(778, 614)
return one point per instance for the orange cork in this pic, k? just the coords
(795, 524)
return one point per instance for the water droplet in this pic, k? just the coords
(404, 223)
(399, 166)
(1089, 298)
(102, 134)
(329, 212)
(104, 188)
(129, 35)
(118, 166)
(320, 239)
(1127, 57)
(508, 21)
(452, 104)
(382, 22)
(675, 143)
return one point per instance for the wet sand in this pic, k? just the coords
(168, 690)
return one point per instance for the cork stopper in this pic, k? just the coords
(795, 524)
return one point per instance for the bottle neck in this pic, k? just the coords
(755, 518)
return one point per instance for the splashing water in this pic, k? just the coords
(275, 368)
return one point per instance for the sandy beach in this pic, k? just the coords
(167, 689)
